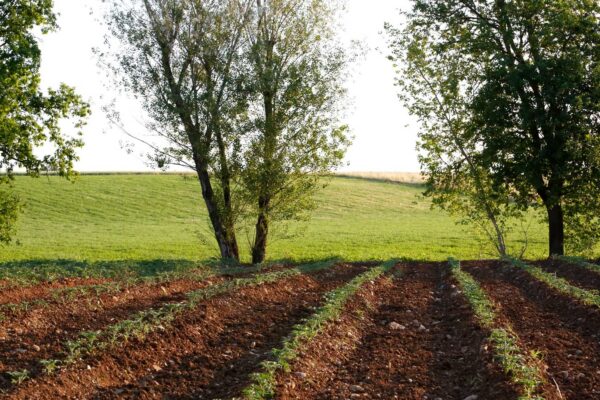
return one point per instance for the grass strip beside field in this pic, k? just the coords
(264, 383)
(521, 367)
(581, 262)
(588, 297)
(148, 321)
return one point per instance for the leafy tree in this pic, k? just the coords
(297, 71)
(29, 118)
(182, 59)
(531, 72)
(430, 84)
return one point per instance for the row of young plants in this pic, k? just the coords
(581, 262)
(145, 322)
(66, 294)
(522, 367)
(588, 297)
(71, 293)
(264, 383)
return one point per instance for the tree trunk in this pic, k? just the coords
(225, 237)
(259, 249)
(556, 230)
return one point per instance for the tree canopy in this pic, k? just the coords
(529, 79)
(244, 92)
(30, 119)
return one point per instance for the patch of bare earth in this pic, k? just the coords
(413, 338)
(206, 353)
(564, 330)
(41, 333)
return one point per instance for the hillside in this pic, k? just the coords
(148, 217)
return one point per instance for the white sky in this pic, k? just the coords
(384, 134)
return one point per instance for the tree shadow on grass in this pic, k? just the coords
(52, 269)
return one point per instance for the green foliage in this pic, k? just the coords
(519, 87)
(50, 366)
(243, 92)
(435, 88)
(10, 208)
(30, 119)
(588, 297)
(120, 223)
(521, 367)
(296, 75)
(264, 382)
(18, 377)
(482, 305)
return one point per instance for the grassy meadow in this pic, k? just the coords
(161, 217)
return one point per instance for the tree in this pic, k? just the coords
(29, 118)
(533, 69)
(431, 89)
(182, 60)
(297, 71)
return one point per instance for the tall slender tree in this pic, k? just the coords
(30, 119)
(297, 76)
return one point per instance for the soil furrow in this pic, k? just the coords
(204, 352)
(564, 330)
(16, 293)
(419, 340)
(42, 333)
(578, 276)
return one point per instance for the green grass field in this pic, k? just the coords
(162, 217)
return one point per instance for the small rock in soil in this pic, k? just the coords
(422, 328)
(356, 389)
(300, 375)
(36, 347)
(396, 326)
(564, 374)
(471, 397)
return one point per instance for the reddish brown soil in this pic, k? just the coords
(565, 331)
(576, 275)
(207, 353)
(363, 357)
(16, 294)
(40, 334)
